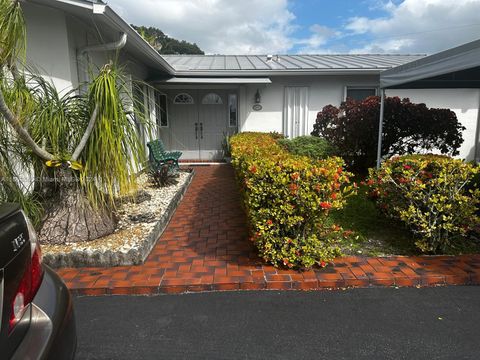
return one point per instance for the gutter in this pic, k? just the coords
(135, 38)
(116, 45)
(116, 22)
(253, 73)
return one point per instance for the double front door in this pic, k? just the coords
(199, 123)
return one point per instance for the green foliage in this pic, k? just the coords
(165, 44)
(57, 122)
(163, 176)
(428, 193)
(12, 32)
(311, 146)
(408, 128)
(114, 151)
(287, 199)
(226, 147)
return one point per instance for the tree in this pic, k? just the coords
(408, 128)
(165, 44)
(83, 149)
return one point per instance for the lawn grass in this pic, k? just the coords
(376, 235)
(373, 233)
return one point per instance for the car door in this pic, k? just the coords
(15, 259)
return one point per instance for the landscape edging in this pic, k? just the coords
(111, 258)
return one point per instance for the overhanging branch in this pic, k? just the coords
(83, 142)
(21, 132)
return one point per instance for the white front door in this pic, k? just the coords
(295, 112)
(198, 123)
(212, 119)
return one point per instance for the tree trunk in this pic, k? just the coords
(69, 216)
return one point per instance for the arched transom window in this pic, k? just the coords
(183, 98)
(212, 99)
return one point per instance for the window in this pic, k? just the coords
(360, 93)
(139, 109)
(232, 110)
(183, 98)
(212, 99)
(161, 113)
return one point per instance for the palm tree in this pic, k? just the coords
(83, 149)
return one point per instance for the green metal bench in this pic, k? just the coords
(159, 157)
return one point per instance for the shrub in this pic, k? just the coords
(408, 128)
(163, 176)
(311, 146)
(287, 199)
(428, 193)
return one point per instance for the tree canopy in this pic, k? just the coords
(165, 44)
(408, 128)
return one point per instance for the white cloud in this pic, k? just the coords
(217, 26)
(269, 26)
(318, 39)
(419, 26)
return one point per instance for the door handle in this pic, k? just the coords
(201, 130)
(196, 130)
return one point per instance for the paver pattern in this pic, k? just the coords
(205, 247)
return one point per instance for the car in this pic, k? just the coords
(36, 307)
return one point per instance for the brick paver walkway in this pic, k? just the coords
(205, 247)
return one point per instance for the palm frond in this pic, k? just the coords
(12, 32)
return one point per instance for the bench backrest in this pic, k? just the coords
(156, 149)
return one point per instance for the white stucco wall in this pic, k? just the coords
(464, 102)
(53, 42)
(48, 49)
(323, 90)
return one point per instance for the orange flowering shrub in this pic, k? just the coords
(429, 193)
(287, 199)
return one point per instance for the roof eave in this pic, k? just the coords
(134, 36)
(118, 23)
(250, 73)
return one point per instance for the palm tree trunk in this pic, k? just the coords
(70, 217)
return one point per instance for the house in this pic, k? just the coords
(450, 79)
(196, 100)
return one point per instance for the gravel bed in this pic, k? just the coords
(141, 220)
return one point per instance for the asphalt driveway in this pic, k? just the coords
(375, 323)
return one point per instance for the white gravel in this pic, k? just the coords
(135, 221)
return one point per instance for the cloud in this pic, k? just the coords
(319, 37)
(270, 26)
(414, 26)
(217, 26)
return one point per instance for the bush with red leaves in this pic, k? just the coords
(408, 128)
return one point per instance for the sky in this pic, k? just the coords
(310, 26)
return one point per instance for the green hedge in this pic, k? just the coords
(287, 199)
(311, 146)
(429, 193)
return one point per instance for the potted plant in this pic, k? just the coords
(227, 155)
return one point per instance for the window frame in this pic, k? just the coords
(192, 102)
(212, 103)
(360, 87)
(158, 109)
(236, 112)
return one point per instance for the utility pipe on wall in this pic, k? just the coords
(380, 128)
(116, 45)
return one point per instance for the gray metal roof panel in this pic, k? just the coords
(260, 63)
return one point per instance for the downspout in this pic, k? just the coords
(380, 128)
(477, 135)
(82, 58)
(117, 45)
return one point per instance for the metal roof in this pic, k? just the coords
(216, 80)
(458, 67)
(251, 64)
